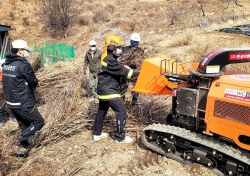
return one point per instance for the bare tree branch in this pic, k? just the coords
(175, 12)
(202, 2)
(227, 2)
(57, 14)
(236, 3)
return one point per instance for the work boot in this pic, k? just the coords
(23, 150)
(126, 140)
(99, 137)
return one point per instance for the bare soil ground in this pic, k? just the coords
(65, 145)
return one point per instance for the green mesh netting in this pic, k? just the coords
(54, 52)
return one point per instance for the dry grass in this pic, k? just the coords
(60, 96)
(182, 41)
(199, 50)
(101, 16)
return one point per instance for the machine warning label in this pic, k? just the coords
(213, 69)
(237, 94)
(241, 77)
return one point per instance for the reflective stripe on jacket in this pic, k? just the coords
(19, 80)
(109, 78)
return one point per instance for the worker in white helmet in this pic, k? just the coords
(19, 81)
(134, 42)
(133, 56)
(92, 61)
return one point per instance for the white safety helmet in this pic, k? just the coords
(135, 37)
(92, 43)
(20, 44)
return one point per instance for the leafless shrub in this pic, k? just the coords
(57, 15)
(227, 2)
(175, 12)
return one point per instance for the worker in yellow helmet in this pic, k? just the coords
(108, 90)
(109, 40)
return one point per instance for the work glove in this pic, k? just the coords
(133, 66)
(127, 67)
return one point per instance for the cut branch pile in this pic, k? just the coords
(133, 57)
(67, 112)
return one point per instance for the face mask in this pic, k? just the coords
(118, 51)
(134, 43)
(92, 48)
(26, 53)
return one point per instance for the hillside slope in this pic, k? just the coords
(65, 146)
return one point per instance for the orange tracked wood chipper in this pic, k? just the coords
(210, 118)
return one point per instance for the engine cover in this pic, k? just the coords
(228, 109)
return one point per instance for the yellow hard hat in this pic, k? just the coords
(111, 40)
(114, 40)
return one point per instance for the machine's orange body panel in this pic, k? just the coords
(151, 82)
(1, 71)
(1, 75)
(228, 108)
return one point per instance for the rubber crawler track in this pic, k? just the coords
(237, 154)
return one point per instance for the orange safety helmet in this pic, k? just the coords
(111, 40)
